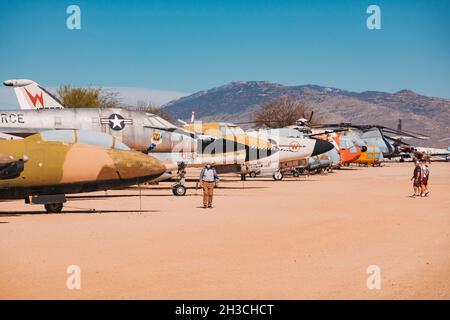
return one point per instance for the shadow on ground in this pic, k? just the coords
(81, 211)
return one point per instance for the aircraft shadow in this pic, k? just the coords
(81, 211)
(241, 187)
(281, 181)
(116, 196)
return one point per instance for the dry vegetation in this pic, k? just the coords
(282, 112)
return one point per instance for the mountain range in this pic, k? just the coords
(238, 102)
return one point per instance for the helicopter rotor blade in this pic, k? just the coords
(403, 133)
(252, 122)
(397, 141)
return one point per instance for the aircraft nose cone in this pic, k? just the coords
(132, 164)
(321, 147)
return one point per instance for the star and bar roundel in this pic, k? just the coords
(116, 121)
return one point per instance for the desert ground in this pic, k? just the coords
(301, 238)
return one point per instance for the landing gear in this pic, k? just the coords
(278, 176)
(53, 203)
(53, 207)
(179, 190)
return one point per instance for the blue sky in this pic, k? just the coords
(185, 46)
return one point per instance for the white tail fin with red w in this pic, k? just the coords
(32, 96)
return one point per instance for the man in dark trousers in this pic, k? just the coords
(417, 177)
(208, 179)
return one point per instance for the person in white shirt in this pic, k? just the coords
(425, 178)
(208, 179)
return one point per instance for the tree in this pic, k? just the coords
(282, 112)
(89, 97)
(148, 106)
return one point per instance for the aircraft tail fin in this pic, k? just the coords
(32, 96)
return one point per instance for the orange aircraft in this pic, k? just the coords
(348, 151)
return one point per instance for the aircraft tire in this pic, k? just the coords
(53, 207)
(179, 190)
(278, 176)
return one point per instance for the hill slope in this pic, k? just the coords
(238, 101)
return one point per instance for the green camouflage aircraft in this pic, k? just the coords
(44, 167)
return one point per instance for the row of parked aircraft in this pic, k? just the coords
(48, 151)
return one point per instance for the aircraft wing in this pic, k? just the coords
(5, 136)
(20, 133)
(181, 131)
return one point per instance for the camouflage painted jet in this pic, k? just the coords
(43, 168)
(291, 151)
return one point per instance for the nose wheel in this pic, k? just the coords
(179, 190)
(53, 207)
(278, 176)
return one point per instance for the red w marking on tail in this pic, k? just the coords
(35, 98)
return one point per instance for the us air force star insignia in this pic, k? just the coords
(116, 121)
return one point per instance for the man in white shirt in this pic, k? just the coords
(208, 179)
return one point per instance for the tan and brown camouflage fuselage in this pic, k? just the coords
(62, 168)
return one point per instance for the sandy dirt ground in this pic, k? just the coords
(301, 238)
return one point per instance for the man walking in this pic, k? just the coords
(417, 177)
(208, 179)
